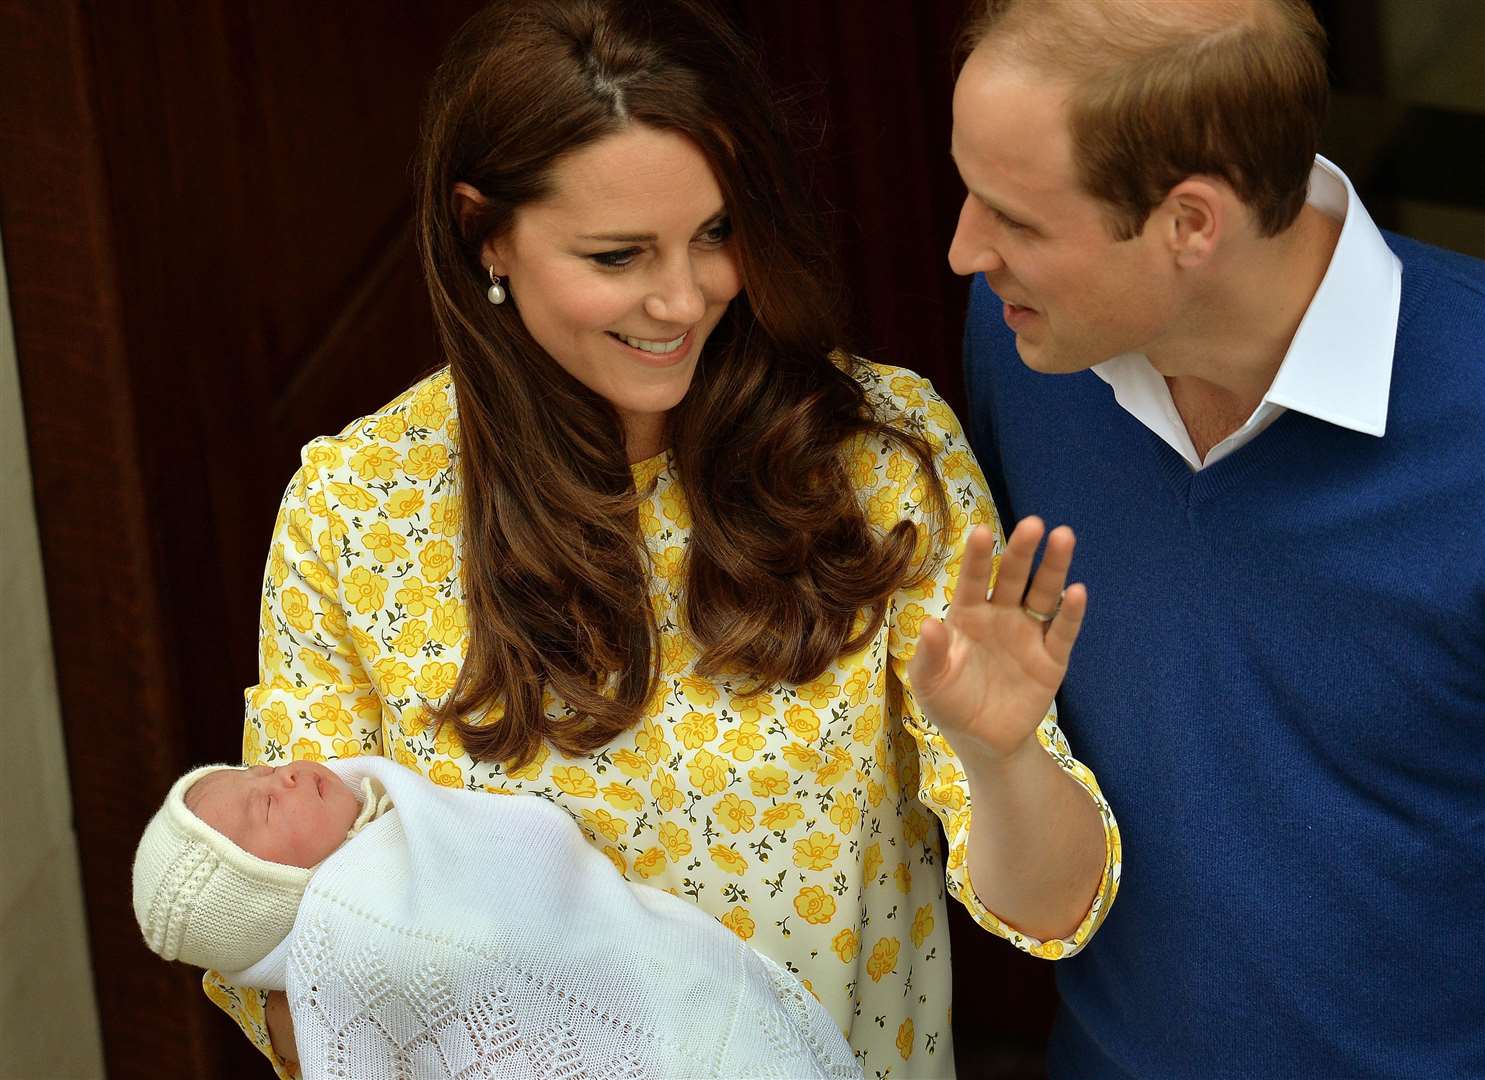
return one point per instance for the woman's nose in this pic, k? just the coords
(678, 299)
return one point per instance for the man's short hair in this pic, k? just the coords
(1166, 89)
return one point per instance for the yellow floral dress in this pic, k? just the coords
(806, 820)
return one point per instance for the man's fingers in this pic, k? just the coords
(1063, 631)
(1051, 575)
(1015, 562)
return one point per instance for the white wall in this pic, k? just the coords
(48, 1021)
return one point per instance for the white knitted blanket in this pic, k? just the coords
(467, 935)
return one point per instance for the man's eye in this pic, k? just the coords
(615, 259)
(1009, 223)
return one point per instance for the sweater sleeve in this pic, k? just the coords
(313, 699)
(941, 783)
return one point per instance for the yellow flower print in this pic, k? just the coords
(753, 708)
(881, 509)
(819, 692)
(677, 840)
(414, 721)
(411, 637)
(429, 407)
(769, 780)
(676, 653)
(415, 597)
(330, 718)
(307, 750)
(922, 925)
(446, 516)
(450, 622)
(708, 772)
(863, 468)
(735, 815)
(532, 770)
(899, 469)
(426, 461)
(871, 861)
(699, 691)
(446, 774)
(650, 862)
(837, 767)
(575, 781)
(949, 796)
(601, 823)
(910, 620)
(374, 463)
(883, 959)
(743, 742)
(446, 740)
(649, 524)
(903, 875)
(846, 945)
(803, 758)
(905, 1038)
(1047, 950)
(631, 764)
(727, 859)
(673, 505)
(816, 852)
(345, 748)
(368, 707)
(667, 796)
(322, 457)
(782, 816)
(815, 905)
(857, 686)
(276, 724)
(616, 857)
(252, 744)
(696, 729)
(668, 564)
(391, 427)
(332, 617)
(364, 590)
(278, 569)
(352, 496)
(385, 545)
(844, 813)
(406, 758)
(908, 390)
(436, 679)
(318, 666)
(650, 741)
(622, 797)
(320, 579)
(867, 724)
(394, 677)
(437, 559)
(365, 645)
(803, 722)
(404, 502)
(740, 921)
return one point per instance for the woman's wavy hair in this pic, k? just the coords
(781, 559)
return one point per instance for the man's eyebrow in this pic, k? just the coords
(646, 238)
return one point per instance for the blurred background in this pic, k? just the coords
(207, 261)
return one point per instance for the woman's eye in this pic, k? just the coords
(615, 259)
(718, 233)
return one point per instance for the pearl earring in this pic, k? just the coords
(496, 292)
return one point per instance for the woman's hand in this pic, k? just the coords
(281, 1026)
(986, 675)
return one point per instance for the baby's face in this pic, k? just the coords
(294, 814)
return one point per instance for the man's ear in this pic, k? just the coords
(467, 201)
(1195, 216)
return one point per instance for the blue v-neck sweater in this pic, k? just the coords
(1281, 687)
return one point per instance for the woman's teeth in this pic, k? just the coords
(652, 346)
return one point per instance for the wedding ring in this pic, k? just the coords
(1039, 616)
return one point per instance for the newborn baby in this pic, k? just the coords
(422, 931)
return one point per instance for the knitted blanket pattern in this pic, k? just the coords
(464, 935)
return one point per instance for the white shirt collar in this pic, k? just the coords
(1339, 364)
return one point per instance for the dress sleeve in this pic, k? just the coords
(941, 783)
(313, 698)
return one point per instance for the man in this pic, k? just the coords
(1266, 420)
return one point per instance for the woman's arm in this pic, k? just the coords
(281, 1026)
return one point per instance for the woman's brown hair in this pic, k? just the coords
(781, 558)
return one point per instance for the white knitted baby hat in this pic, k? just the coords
(200, 898)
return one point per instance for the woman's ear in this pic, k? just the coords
(1196, 212)
(467, 202)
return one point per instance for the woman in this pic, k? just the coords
(653, 549)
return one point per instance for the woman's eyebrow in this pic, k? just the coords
(645, 238)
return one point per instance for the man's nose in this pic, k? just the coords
(972, 251)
